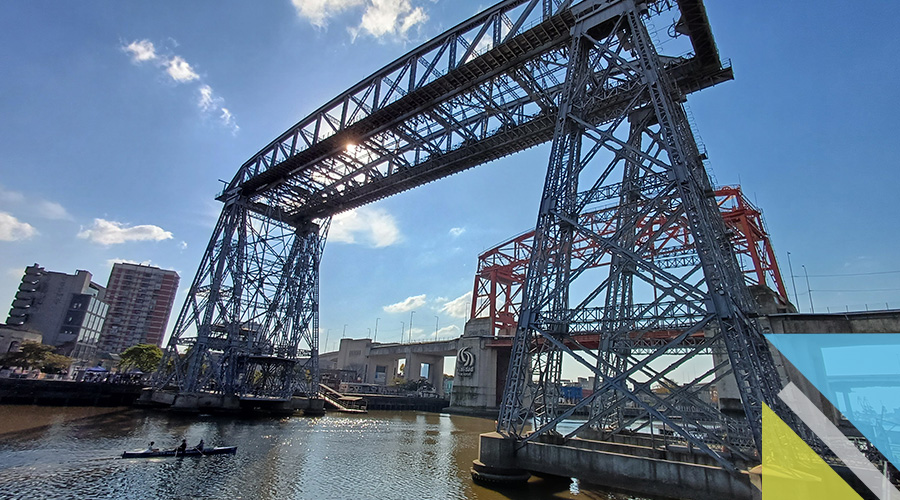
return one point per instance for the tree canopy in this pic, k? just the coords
(31, 354)
(56, 363)
(144, 357)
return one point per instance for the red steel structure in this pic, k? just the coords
(497, 292)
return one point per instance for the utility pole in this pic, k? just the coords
(808, 290)
(436, 322)
(796, 297)
(410, 324)
(376, 330)
(402, 324)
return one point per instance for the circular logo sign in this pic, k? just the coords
(465, 362)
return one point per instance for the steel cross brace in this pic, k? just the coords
(549, 276)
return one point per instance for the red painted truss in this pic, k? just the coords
(501, 270)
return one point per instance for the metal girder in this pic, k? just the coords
(485, 89)
(647, 141)
(666, 241)
(249, 325)
(512, 77)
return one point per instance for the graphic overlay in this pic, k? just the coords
(860, 375)
(793, 471)
(838, 443)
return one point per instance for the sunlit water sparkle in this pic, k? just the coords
(63, 453)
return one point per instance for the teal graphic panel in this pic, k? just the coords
(859, 373)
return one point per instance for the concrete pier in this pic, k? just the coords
(663, 473)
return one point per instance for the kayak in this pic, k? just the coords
(190, 452)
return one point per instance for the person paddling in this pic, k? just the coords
(181, 447)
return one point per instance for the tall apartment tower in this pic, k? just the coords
(140, 299)
(66, 309)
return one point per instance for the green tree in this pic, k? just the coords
(144, 357)
(56, 363)
(31, 354)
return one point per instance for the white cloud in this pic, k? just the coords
(207, 101)
(12, 229)
(41, 208)
(318, 11)
(374, 226)
(11, 196)
(141, 50)
(406, 305)
(228, 120)
(458, 307)
(379, 17)
(389, 17)
(107, 232)
(52, 210)
(177, 68)
(183, 245)
(211, 103)
(417, 16)
(180, 70)
(457, 231)
(447, 331)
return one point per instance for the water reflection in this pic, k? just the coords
(58, 453)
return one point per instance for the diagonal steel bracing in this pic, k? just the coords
(649, 139)
(582, 73)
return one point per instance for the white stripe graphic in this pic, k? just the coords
(839, 444)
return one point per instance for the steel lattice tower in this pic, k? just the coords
(650, 140)
(583, 74)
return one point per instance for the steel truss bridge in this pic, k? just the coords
(585, 75)
(500, 275)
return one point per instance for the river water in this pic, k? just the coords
(62, 453)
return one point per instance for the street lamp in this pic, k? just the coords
(796, 298)
(808, 290)
(402, 324)
(410, 324)
(376, 330)
(436, 323)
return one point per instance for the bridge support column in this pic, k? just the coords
(496, 464)
(435, 374)
(475, 379)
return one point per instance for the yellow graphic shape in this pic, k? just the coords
(791, 470)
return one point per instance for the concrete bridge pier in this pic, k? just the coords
(632, 467)
(435, 370)
(480, 372)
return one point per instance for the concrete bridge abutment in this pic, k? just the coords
(632, 468)
(480, 372)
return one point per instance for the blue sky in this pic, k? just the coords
(118, 118)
